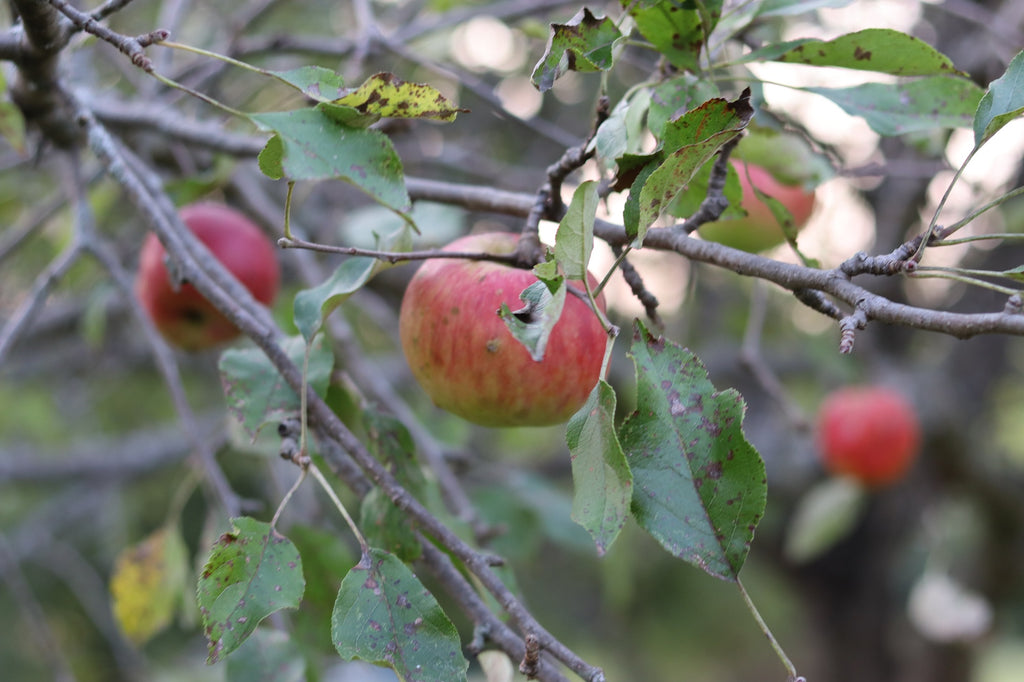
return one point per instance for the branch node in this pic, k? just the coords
(815, 300)
(900, 260)
(530, 664)
(848, 327)
(1014, 305)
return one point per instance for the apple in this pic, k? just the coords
(465, 358)
(759, 230)
(181, 314)
(868, 433)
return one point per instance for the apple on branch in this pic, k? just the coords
(466, 359)
(181, 314)
(760, 229)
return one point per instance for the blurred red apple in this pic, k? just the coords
(759, 230)
(181, 314)
(466, 359)
(868, 433)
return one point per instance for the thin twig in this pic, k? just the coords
(395, 256)
(132, 46)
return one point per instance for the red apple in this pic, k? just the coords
(759, 230)
(182, 315)
(868, 433)
(467, 360)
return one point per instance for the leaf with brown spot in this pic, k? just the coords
(881, 50)
(384, 615)
(251, 573)
(585, 43)
(698, 486)
(689, 142)
(383, 95)
(677, 30)
(916, 105)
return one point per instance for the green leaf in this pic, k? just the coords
(699, 486)
(824, 516)
(384, 95)
(624, 130)
(315, 82)
(1016, 274)
(677, 30)
(687, 202)
(267, 656)
(574, 240)
(381, 521)
(881, 50)
(148, 582)
(257, 393)
(631, 209)
(312, 306)
(898, 108)
(674, 97)
(690, 141)
(787, 8)
(532, 324)
(586, 43)
(602, 481)
(385, 616)
(547, 269)
(313, 144)
(252, 572)
(1003, 102)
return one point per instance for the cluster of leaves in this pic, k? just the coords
(680, 465)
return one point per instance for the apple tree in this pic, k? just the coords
(717, 215)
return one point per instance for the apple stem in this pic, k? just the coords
(776, 647)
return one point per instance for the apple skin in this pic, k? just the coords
(466, 359)
(759, 231)
(183, 316)
(868, 433)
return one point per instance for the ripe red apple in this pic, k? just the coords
(467, 360)
(869, 433)
(182, 315)
(759, 230)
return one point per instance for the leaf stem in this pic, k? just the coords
(1004, 236)
(214, 55)
(287, 498)
(942, 203)
(615, 266)
(965, 277)
(195, 93)
(786, 663)
(288, 210)
(364, 546)
(974, 214)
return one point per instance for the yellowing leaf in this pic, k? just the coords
(384, 95)
(147, 584)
